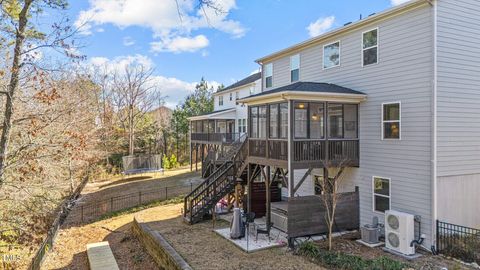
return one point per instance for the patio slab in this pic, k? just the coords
(249, 244)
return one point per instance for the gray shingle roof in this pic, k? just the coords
(247, 80)
(310, 87)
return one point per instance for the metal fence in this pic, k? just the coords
(458, 241)
(89, 212)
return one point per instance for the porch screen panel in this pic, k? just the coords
(262, 122)
(301, 120)
(335, 121)
(211, 126)
(254, 122)
(199, 126)
(350, 112)
(205, 126)
(317, 122)
(273, 127)
(283, 120)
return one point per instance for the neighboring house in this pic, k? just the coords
(227, 122)
(397, 95)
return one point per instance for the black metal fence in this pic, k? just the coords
(458, 241)
(89, 212)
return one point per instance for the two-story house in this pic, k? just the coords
(397, 95)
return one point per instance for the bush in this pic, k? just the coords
(169, 163)
(308, 249)
(339, 260)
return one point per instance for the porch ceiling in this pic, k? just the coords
(307, 91)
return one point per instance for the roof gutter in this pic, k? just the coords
(288, 94)
(400, 9)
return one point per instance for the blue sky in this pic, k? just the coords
(222, 49)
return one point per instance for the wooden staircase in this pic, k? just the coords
(200, 202)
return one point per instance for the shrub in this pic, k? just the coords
(165, 162)
(169, 163)
(173, 161)
(308, 249)
(339, 260)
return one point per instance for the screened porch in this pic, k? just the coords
(320, 132)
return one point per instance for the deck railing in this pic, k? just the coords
(307, 150)
(458, 241)
(216, 137)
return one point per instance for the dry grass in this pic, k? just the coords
(204, 249)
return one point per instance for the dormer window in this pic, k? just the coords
(370, 47)
(294, 68)
(268, 75)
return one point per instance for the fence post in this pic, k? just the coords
(82, 213)
(191, 186)
(111, 204)
(166, 193)
(140, 197)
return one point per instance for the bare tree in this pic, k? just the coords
(330, 184)
(16, 22)
(133, 95)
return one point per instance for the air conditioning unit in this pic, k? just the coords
(399, 232)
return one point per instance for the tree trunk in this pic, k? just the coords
(131, 132)
(15, 74)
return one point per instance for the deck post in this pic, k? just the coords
(291, 177)
(268, 195)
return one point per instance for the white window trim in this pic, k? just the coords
(291, 68)
(265, 80)
(378, 47)
(339, 54)
(392, 121)
(381, 195)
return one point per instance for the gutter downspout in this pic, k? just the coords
(434, 131)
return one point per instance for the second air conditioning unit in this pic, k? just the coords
(399, 232)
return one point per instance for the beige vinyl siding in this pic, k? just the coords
(458, 89)
(404, 73)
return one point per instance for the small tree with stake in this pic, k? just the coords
(333, 178)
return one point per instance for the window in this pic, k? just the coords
(220, 100)
(381, 194)
(294, 68)
(316, 121)
(237, 95)
(268, 75)
(370, 47)
(254, 122)
(391, 120)
(231, 96)
(331, 55)
(283, 120)
(301, 120)
(273, 127)
(242, 125)
(342, 121)
(252, 90)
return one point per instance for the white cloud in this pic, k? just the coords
(163, 19)
(173, 89)
(398, 2)
(320, 26)
(128, 41)
(180, 44)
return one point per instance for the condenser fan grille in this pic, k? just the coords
(393, 222)
(393, 240)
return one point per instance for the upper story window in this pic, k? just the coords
(237, 95)
(220, 100)
(231, 96)
(268, 75)
(294, 68)
(391, 120)
(252, 90)
(370, 47)
(331, 55)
